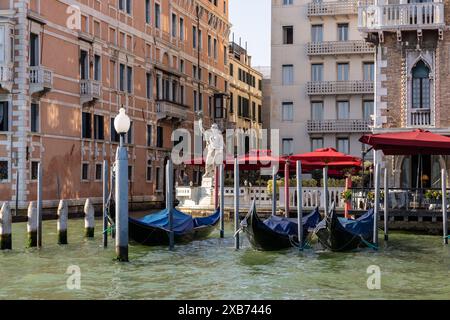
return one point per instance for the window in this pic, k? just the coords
(288, 146)
(174, 25)
(34, 121)
(181, 29)
(99, 129)
(317, 33)
(4, 116)
(194, 37)
(2, 44)
(85, 171)
(34, 50)
(288, 74)
(209, 45)
(130, 173)
(317, 110)
(421, 86)
(149, 171)
(343, 145)
(342, 72)
(343, 110)
(231, 69)
(231, 102)
(122, 77)
(157, 15)
(125, 5)
(86, 125)
(287, 2)
(288, 35)
(34, 170)
(367, 110)
(317, 72)
(181, 65)
(130, 79)
(316, 143)
(195, 100)
(182, 94)
(343, 31)
(98, 171)
(97, 68)
(129, 134)
(4, 170)
(147, 11)
(368, 71)
(149, 135)
(84, 65)
(115, 137)
(287, 111)
(158, 179)
(215, 49)
(159, 137)
(149, 85)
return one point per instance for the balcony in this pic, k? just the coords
(41, 79)
(332, 8)
(6, 77)
(395, 17)
(339, 126)
(90, 91)
(339, 47)
(420, 118)
(169, 110)
(339, 87)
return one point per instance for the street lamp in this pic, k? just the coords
(122, 125)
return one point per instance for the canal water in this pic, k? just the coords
(412, 267)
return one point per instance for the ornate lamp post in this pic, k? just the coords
(122, 125)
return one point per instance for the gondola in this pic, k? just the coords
(153, 229)
(276, 233)
(341, 234)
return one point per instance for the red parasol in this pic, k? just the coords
(409, 143)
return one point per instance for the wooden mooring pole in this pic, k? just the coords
(105, 201)
(222, 200)
(386, 205)
(89, 219)
(274, 190)
(376, 203)
(169, 191)
(5, 227)
(236, 204)
(61, 225)
(444, 206)
(325, 190)
(32, 225)
(39, 206)
(299, 205)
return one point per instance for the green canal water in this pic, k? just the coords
(412, 267)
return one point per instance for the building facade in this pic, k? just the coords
(412, 79)
(66, 67)
(245, 99)
(322, 76)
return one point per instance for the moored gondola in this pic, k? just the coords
(341, 234)
(153, 229)
(276, 233)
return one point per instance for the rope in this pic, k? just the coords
(370, 245)
(110, 229)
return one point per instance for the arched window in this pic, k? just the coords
(421, 86)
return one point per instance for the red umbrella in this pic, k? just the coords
(257, 159)
(409, 143)
(326, 157)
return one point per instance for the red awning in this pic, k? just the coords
(409, 143)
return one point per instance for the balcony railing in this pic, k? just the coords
(6, 76)
(405, 16)
(420, 117)
(90, 90)
(41, 79)
(331, 8)
(339, 47)
(170, 110)
(340, 87)
(337, 126)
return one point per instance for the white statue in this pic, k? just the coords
(214, 146)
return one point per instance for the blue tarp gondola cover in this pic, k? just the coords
(290, 226)
(182, 223)
(363, 226)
